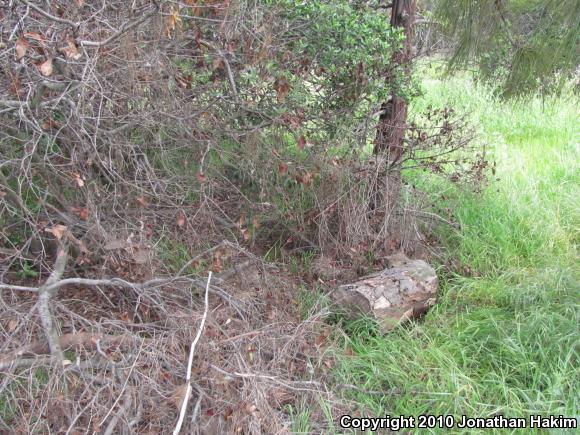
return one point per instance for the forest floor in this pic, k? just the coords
(504, 338)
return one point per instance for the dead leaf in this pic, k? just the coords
(173, 21)
(49, 123)
(46, 67)
(180, 220)
(80, 182)
(57, 231)
(282, 168)
(306, 179)
(21, 48)
(250, 408)
(12, 324)
(282, 88)
(255, 223)
(301, 143)
(245, 234)
(71, 51)
(142, 202)
(228, 413)
(81, 212)
(218, 63)
(178, 395)
(321, 338)
(36, 36)
(16, 87)
(216, 266)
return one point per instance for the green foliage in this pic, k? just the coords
(349, 47)
(336, 61)
(519, 46)
(27, 271)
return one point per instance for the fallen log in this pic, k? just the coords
(405, 290)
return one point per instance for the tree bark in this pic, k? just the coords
(393, 120)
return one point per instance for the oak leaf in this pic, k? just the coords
(57, 231)
(71, 51)
(21, 46)
(12, 324)
(79, 180)
(46, 68)
(142, 202)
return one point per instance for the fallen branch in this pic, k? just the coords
(45, 294)
(303, 385)
(190, 361)
(65, 342)
(111, 282)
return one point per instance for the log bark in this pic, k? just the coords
(403, 291)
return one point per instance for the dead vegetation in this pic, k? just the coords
(124, 370)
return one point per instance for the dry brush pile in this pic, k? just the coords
(145, 143)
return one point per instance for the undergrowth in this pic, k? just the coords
(504, 337)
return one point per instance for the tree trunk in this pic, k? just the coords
(393, 120)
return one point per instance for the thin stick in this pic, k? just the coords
(190, 361)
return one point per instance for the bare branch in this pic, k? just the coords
(124, 28)
(49, 16)
(45, 294)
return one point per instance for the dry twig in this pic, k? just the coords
(190, 360)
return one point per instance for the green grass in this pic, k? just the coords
(505, 339)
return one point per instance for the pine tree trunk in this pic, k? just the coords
(393, 120)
